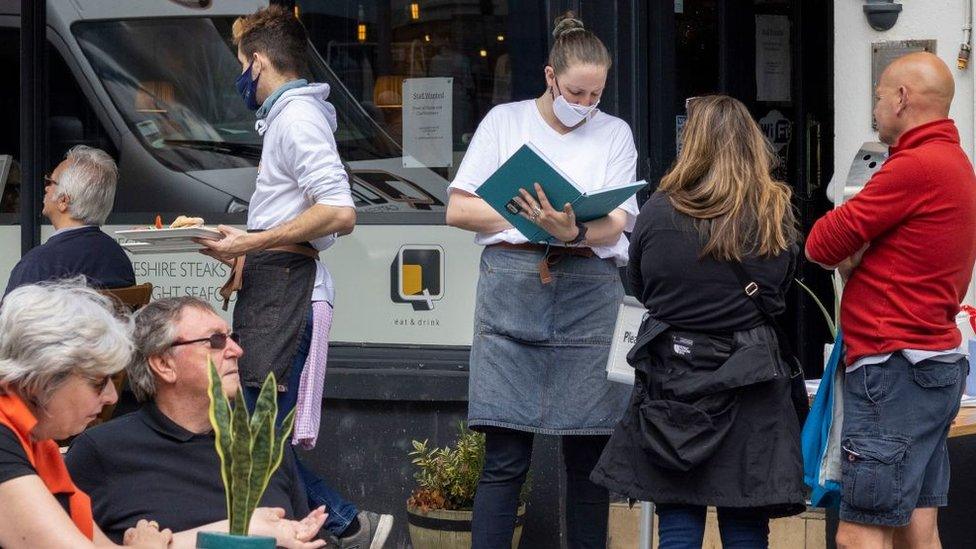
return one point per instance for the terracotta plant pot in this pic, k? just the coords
(216, 540)
(443, 529)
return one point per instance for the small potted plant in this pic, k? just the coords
(439, 509)
(250, 450)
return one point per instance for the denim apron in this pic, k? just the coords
(270, 313)
(539, 353)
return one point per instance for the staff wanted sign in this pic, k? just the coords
(427, 117)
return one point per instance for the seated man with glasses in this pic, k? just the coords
(78, 197)
(160, 461)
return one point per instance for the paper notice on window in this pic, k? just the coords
(773, 58)
(427, 111)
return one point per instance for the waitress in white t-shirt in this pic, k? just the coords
(545, 314)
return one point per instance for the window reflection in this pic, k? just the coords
(172, 80)
(374, 46)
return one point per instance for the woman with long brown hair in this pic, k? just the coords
(711, 420)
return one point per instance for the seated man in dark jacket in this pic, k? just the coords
(160, 462)
(78, 196)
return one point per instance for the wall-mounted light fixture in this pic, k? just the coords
(881, 14)
(415, 11)
(361, 25)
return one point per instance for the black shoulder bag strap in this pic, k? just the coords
(798, 389)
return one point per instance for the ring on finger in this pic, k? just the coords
(536, 212)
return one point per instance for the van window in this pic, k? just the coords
(173, 82)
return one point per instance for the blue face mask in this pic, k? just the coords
(247, 87)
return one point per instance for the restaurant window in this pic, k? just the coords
(10, 127)
(405, 62)
(70, 121)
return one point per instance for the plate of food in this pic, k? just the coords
(183, 228)
(161, 246)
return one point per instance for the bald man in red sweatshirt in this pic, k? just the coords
(907, 243)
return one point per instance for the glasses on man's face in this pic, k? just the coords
(216, 341)
(48, 180)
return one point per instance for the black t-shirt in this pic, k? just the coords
(143, 465)
(14, 462)
(13, 459)
(693, 293)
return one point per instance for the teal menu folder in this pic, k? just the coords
(528, 166)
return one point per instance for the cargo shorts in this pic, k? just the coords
(896, 420)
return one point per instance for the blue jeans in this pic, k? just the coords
(896, 419)
(341, 512)
(507, 456)
(683, 527)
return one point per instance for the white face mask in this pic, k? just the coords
(571, 114)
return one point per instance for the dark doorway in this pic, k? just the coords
(776, 56)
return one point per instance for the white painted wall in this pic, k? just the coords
(941, 20)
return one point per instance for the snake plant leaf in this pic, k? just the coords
(240, 468)
(262, 443)
(267, 401)
(278, 441)
(281, 438)
(220, 420)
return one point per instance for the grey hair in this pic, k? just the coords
(154, 333)
(49, 331)
(89, 182)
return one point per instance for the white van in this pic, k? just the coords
(152, 82)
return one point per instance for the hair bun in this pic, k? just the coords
(567, 23)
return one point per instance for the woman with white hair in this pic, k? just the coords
(59, 346)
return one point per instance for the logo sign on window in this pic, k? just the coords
(417, 276)
(778, 130)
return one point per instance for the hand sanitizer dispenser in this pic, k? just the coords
(866, 162)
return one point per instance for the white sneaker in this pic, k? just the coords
(373, 531)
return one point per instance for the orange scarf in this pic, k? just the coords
(46, 459)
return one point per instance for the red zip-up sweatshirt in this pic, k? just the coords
(918, 214)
